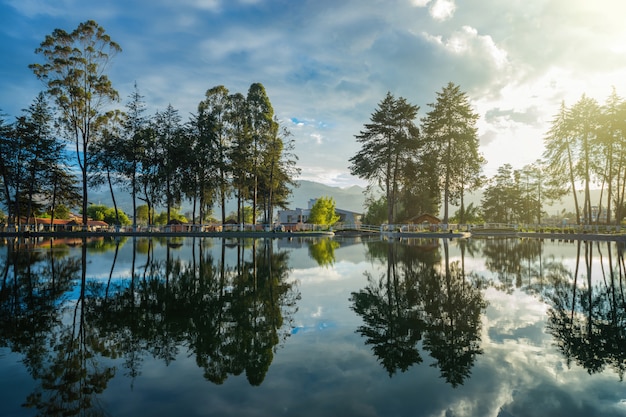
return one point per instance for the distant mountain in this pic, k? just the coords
(351, 198)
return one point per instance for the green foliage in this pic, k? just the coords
(451, 142)
(61, 212)
(107, 214)
(323, 251)
(323, 212)
(161, 218)
(247, 215)
(376, 213)
(388, 144)
(69, 59)
(471, 215)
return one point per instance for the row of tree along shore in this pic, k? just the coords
(419, 167)
(235, 147)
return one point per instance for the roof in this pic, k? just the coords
(424, 218)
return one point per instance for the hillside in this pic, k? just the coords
(350, 198)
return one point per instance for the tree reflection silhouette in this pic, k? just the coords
(323, 251)
(232, 318)
(393, 325)
(415, 300)
(588, 319)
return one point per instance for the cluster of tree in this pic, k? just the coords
(584, 148)
(416, 168)
(587, 145)
(233, 145)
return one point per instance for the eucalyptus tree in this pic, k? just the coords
(169, 132)
(612, 153)
(134, 125)
(148, 178)
(584, 124)
(74, 72)
(261, 124)
(213, 112)
(240, 151)
(278, 171)
(561, 154)
(387, 143)
(451, 140)
(199, 170)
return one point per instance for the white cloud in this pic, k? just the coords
(442, 9)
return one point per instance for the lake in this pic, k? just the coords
(312, 326)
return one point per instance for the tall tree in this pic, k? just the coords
(134, 125)
(278, 171)
(43, 152)
(561, 154)
(240, 152)
(387, 143)
(502, 197)
(214, 110)
(74, 72)
(584, 119)
(612, 152)
(169, 134)
(262, 126)
(452, 141)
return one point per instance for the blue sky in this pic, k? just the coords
(326, 64)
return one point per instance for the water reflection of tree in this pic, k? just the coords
(513, 260)
(393, 323)
(232, 318)
(588, 319)
(59, 353)
(323, 251)
(418, 298)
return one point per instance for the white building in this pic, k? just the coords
(300, 215)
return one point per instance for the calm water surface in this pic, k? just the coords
(312, 327)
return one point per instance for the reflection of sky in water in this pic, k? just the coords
(324, 368)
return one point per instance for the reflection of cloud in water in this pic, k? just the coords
(320, 326)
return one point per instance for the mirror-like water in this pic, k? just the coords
(312, 327)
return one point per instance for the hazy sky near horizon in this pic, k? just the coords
(326, 64)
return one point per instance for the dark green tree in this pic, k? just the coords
(387, 143)
(240, 152)
(262, 127)
(134, 124)
(74, 71)
(502, 197)
(169, 136)
(451, 139)
(213, 118)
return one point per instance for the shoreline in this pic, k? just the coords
(349, 233)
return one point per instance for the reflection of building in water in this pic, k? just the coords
(299, 215)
